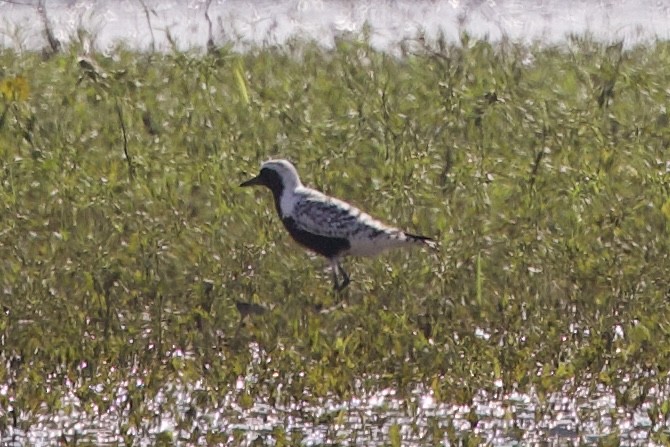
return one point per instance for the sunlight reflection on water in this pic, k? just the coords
(575, 415)
(263, 22)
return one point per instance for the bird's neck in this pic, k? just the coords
(285, 202)
(277, 195)
(285, 194)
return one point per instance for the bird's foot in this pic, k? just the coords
(340, 286)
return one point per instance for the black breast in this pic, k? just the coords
(329, 247)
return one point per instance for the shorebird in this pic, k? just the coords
(326, 225)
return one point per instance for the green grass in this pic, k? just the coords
(543, 172)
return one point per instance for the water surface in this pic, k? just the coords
(147, 24)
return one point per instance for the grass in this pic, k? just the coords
(125, 241)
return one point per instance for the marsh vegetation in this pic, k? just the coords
(127, 251)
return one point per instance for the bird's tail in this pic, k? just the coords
(422, 240)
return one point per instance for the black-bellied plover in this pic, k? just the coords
(325, 225)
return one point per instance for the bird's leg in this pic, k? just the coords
(335, 267)
(345, 278)
(336, 286)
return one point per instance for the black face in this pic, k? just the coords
(267, 177)
(271, 179)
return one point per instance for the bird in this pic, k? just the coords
(326, 225)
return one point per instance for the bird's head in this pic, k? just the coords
(278, 175)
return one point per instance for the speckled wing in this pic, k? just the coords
(317, 214)
(326, 216)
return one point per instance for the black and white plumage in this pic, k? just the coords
(325, 225)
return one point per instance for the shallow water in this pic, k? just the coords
(574, 416)
(585, 418)
(145, 24)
